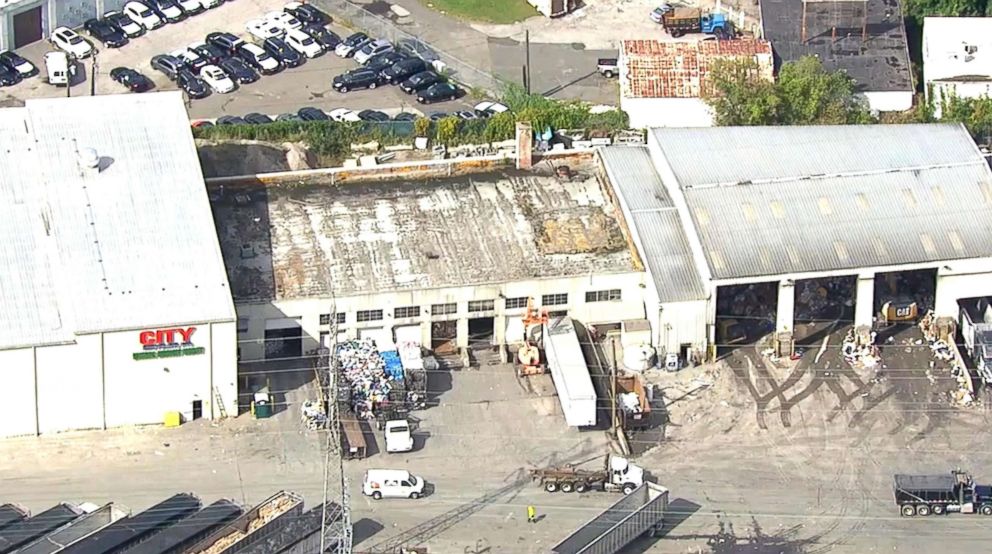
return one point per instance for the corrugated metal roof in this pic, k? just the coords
(656, 225)
(768, 201)
(132, 244)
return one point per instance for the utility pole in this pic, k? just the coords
(93, 77)
(527, 62)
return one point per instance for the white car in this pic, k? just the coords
(191, 58)
(217, 79)
(143, 15)
(373, 49)
(303, 43)
(343, 114)
(70, 42)
(488, 109)
(192, 7)
(283, 20)
(127, 25)
(267, 62)
(263, 29)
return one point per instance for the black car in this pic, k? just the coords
(104, 32)
(438, 93)
(312, 114)
(437, 116)
(355, 79)
(255, 57)
(159, 7)
(238, 70)
(225, 41)
(230, 120)
(403, 69)
(326, 38)
(420, 81)
(168, 64)
(380, 62)
(131, 79)
(191, 84)
(8, 77)
(308, 15)
(372, 115)
(405, 116)
(209, 52)
(121, 21)
(284, 53)
(256, 118)
(17, 64)
(288, 117)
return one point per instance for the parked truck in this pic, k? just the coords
(642, 512)
(619, 475)
(683, 21)
(922, 495)
(975, 322)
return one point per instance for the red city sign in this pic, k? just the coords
(164, 337)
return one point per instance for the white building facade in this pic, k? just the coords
(957, 59)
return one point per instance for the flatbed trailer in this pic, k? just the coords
(618, 475)
(642, 512)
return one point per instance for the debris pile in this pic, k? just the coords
(859, 349)
(364, 370)
(312, 415)
(962, 395)
(630, 402)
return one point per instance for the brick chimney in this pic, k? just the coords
(525, 146)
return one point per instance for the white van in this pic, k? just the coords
(395, 483)
(60, 68)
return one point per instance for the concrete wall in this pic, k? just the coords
(18, 386)
(682, 322)
(631, 306)
(70, 386)
(961, 279)
(667, 112)
(889, 101)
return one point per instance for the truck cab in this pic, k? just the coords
(714, 24)
(398, 436)
(624, 475)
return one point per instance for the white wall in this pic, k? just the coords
(667, 112)
(960, 89)
(70, 386)
(961, 279)
(889, 101)
(225, 369)
(18, 387)
(683, 322)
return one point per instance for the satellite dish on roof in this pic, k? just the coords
(89, 158)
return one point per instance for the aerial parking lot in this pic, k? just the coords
(308, 84)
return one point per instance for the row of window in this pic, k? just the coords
(362, 316)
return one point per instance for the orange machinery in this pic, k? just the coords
(529, 354)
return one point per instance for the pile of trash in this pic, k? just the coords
(312, 415)
(962, 395)
(629, 402)
(860, 351)
(364, 370)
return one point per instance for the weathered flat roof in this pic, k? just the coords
(504, 226)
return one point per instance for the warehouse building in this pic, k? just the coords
(450, 263)
(737, 226)
(115, 303)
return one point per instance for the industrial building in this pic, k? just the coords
(26, 21)
(957, 59)
(115, 303)
(736, 225)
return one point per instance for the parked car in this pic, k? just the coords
(350, 45)
(256, 118)
(405, 116)
(288, 117)
(107, 34)
(489, 108)
(124, 24)
(328, 39)
(238, 70)
(231, 120)
(356, 79)
(192, 60)
(131, 79)
(169, 65)
(192, 7)
(216, 79)
(466, 115)
(306, 13)
(208, 52)
(312, 114)
(416, 47)
(439, 92)
(343, 114)
(168, 10)
(17, 64)
(374, 48)
(143, 15)
(303, 43)
(202, 123)
(401, 70)
(263, 29)
(68, 41)
(372, 115)
(658, 14)
(209, 4)
(225, 41)
(383, 61)
(420, 81)
(256, 57)
(437, 116)
(283, 20)
(191, 84)
(278, 49)
(8, 77)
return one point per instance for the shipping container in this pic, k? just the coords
(569, 372)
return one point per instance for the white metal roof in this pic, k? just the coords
(129, 244)
(957, 49)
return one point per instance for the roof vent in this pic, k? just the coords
(247, 251)
(89, 158)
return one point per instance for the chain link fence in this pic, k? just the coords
(381, 27)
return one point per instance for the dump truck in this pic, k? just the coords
(619, 475)
(642, 512)
(632, 416)
(683, 21)
(922, 495)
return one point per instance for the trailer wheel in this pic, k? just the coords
(551, 486)
(567, 487)
(581, 486)
(923, 510)
(938, 509)
(986, 510)
(908, 510)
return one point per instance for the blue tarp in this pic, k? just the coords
(394, 367)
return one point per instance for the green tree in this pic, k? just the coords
(739, 96)
(447, 129)
(918, 9)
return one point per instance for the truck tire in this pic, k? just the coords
(581, 486)
(923, 510)
(938, 509)
(377, 495)
(414, 495)
(908, 510)
(628, 488)
(986, 510)
(608, 74)
(567, 487)
(551, 486)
